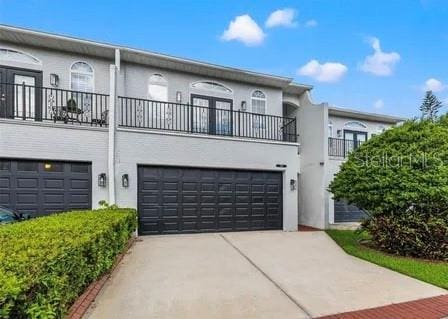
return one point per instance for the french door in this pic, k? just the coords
(211, 115)
(20, 93)
(353, 139)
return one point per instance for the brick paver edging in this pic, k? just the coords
(79, 308)
(429, 308)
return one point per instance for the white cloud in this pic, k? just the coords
(282, 18)
(244, 29)
(326, 72)
(311, 23)
(380, 63)
(434, 85)
(378, 104)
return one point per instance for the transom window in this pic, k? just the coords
(17, 56)
(211, 86)
(82, 77)
(355, 124)
(158, 88)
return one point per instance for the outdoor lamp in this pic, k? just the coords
(125, 180)
(179, 97)
(102, 180)
(54, 80)
(292, 184)
(243, 106)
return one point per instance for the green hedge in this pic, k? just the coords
(46, 263)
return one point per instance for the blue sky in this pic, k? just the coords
(340, 35)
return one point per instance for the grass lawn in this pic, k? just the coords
(435, 273)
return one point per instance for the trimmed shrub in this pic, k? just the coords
(401, 179)
(46, 263)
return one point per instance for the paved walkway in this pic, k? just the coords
(249, 275)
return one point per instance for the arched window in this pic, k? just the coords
(330, 129)
(211, 86)
(158, 88)
(355, 125)
(82, 77)
(258, 101)
(17, 56)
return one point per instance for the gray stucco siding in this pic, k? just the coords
(134, 83)
(59, 63)
(371, 126)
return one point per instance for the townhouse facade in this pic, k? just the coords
(195, 147)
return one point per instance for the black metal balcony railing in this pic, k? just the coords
(29, 102)
(176, 117)
(26, 102)
(339, 147)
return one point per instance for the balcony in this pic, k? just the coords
(193, 119)
(25, 102)
(53, 105)
(338, 147)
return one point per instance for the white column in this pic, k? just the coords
(112, 131)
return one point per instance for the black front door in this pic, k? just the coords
(211, 115)
(20, 93)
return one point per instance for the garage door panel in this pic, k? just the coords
(4, 183)
(43, 187)
(186, 200)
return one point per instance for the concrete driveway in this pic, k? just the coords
(248, 275)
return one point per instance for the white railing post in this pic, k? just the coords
(112, 132)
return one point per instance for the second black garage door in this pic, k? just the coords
(187, 200)
(44, 187)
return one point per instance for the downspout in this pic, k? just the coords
(113, 75)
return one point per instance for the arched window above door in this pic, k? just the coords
(17, 56)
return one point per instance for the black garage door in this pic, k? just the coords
(44, 187)
(187, 200)
(345, 213)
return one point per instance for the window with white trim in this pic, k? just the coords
(82, 77)
(330, 129)
(158, 88)
(258, 105)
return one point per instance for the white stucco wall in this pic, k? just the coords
(312, 123)
(158, 148)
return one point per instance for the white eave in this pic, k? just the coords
(354, 114)
(51, 41)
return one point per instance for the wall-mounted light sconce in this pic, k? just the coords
(339, 133)
(102, 180)
(292, 184)
(179, 97)
(125, 180)
(54, 80)
(243, 106)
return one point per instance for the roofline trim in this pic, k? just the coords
(285, 80)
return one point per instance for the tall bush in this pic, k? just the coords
(46, 263)
(401, 179)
